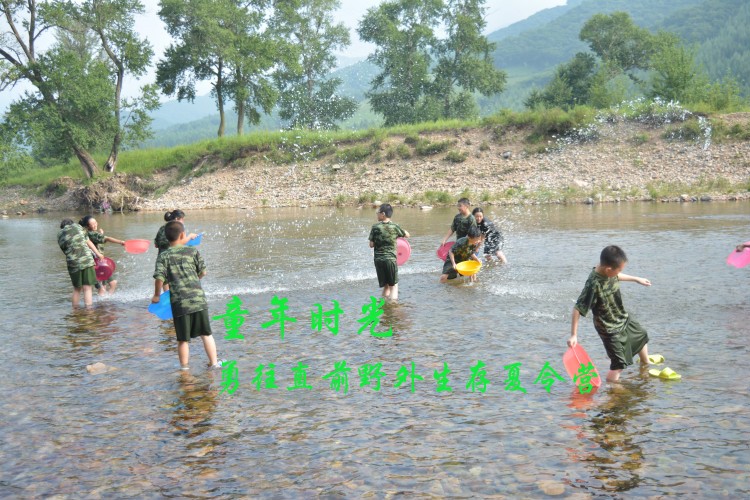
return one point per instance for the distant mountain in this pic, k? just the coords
(175, 112)
(528, 51)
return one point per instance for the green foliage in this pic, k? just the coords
(454, 156)
(675, 76)
(619, 43)
(357, 153)
(224, 42)
(438, 197)
(307, 99)
(464, 64)
(426, 148)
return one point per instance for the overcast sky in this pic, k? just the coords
(499, 13)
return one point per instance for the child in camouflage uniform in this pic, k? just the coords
(97, 237)
(621, 335)
(383, 239)
(462, 222)
(463, 249)
(183, 267)
(77, 248)
(161, 242)
(493, 238)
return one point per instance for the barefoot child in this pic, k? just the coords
(77, 247)
(183, 267)
(464, 249)
(383, 239)
(621, 335)
(493, 238)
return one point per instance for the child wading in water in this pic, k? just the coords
(183, 267)
(464, 249)
(493, 238)
(161, 242)
(621, 335)
(96, 235)
(382, 238)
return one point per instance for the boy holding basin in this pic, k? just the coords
(621, 335)
(462, 222)
(183, 267)
(463, 249)
(383, 240)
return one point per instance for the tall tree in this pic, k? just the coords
(404, 33)
(113, 22)
(201, 51)
(49, 72)
(309, 99)
(675, 75)
(621, 44)
(256, 53)
(220, 41)
(464, 62)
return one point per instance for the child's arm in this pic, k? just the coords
(450, 232)
(406, 234)
(157, 291)
(94, 249)
(742, 246)
(372, 244)
(573, 340)
(108, 239)
(474, 256)
(452, 258)
(626, 277)
(201, 275)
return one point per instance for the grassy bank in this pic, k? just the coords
(540, 131)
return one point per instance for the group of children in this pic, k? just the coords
(621, 335)
(179, 269)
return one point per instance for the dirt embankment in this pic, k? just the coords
(628, 161)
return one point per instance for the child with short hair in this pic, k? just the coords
(621, 335)
(493, 238)
(382, 239)
(97, 237)
(464, 249)
(183, 267)
(78, 249)
(463, 220)
(161, 242)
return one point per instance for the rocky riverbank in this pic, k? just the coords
(626, 161)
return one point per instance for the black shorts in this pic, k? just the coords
(448, 269)
(387, 271)
(192, 325)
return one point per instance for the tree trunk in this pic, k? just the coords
(112, 160)
(240, 117)
(87, 162)
(220, 98)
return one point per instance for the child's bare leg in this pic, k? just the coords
(88, 297)
(386, 291)
(76, 299)
(443, 278)
(394, 292)
(112, 286)
(501, 257)
(183, 353)
(643, 354)
(102, 290)
(613, 375)
(210, 346)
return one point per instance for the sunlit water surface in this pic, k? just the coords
(146, 429)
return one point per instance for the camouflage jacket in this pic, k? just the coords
(72, 240)
(180, 266)
(601, 295)
(383, 235)
(462, 224)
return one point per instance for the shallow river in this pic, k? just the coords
(145, 429)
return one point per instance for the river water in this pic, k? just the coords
(145, 429)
